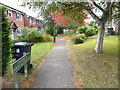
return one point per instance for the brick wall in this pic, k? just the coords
(25, 21)
(19, 23)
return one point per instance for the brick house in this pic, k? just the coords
(19, 19)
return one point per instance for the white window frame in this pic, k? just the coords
(8, 13)
(30, 20)
(18, 16)
(34, 22)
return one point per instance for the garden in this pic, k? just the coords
(93, 70)
(42, 45)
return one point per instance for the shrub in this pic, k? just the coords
(81, 35)
(78, 39)
(90, 32)
(30, 35)
(5, 41)
(82, 29)
(47, 37)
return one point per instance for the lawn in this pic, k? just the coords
(39, 51)
(38, 54)
(95, 70)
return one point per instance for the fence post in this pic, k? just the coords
(16, 80)
(26, 71)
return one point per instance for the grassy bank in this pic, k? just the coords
(38, 54)
(95, 70)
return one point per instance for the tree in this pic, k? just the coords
(5, 40)
(69, 20)
(74, 7)
(106, 15)
(49, 25)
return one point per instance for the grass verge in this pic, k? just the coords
(38, 54)
(95, 70)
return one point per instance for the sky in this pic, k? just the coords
(15, 4)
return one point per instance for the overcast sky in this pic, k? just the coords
(15, 4)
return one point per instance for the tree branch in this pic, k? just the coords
(93, 15)
(98, 6)
(88, 8)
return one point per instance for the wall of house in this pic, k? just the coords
(19, 23)
(26, 21)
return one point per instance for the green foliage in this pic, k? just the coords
(59, 29)
(5, 41)
(47, 37)
(50, 30)
(82, 29)
(88, 30)
(32, 35)
(70, 32)
(91, 23)
(49, 25)
(80, 38)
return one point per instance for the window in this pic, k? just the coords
(18, 16)
(34, 22)
(30, 20)
(9, 13)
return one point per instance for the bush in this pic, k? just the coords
(5, 41)
(30, 35)
(90, 32)
(47, 37)
(81, 35)
(82, 29)
(78, 39)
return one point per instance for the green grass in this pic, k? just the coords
(38, 54)
(95, 70)
(39, 51)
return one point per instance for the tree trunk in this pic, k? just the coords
(99, 44)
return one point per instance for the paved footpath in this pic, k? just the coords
(57, 71)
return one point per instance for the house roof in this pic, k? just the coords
(12, 8)
(13, 25)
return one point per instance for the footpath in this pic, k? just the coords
(57, 71)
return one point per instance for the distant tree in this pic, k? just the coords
(73, 7)
(49, 25)
(68, 20)
(5, 40)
